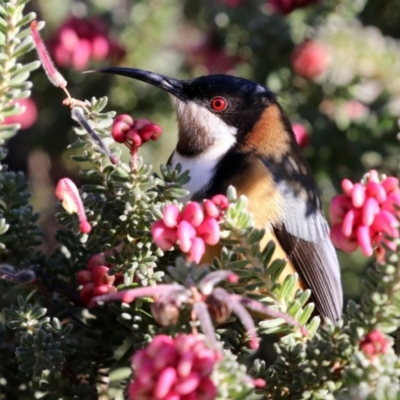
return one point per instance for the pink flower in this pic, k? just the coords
(68, 193)
(194, 227)
(27, 118)
(174, 368)
(134, 133)
(80, 40)
(301, 134)
(287, 6)
(365, 214)
(374, 344)
(310, 59)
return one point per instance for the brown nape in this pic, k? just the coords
(269, 136)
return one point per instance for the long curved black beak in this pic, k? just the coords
(173, 86)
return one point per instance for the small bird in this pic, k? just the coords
(232, 131)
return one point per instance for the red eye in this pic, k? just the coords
(219, 104)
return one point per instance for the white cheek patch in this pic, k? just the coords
(195, 120)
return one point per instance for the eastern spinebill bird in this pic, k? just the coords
(232, 131)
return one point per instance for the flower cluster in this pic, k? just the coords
(310, 59)
(365, 214)
(374, 343)
(287, 6)
(68, 193)
(81, 39)
(95, 279)
(194, 227)
(174, 368)
(134, 133)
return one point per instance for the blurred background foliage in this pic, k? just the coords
(334, 64)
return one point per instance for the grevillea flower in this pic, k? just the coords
(80, 40)
(68, 193)
(134, 133)
(174, 368)
(206, 301)
(193, 228)
(310, 59)
(95, 279)
(287, 6)
(301, 134)
(374, 344)
(365, 214)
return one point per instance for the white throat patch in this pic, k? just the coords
(196, 120)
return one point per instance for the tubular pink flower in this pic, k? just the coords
(171, 216)
(163, 237)
(220, 201)
(188, 384)
(52, 73)
(197, 250)
(210, 209)
(370, 210)
(351, 219)
(209, 231)
(193, 213)
(385, 222)
(390, 184)
(68, 193)
(164, 383)
(358, 195)
(342, 242)
(186, 233)
(376, 190)
(392, 200)
(373, 176)
(364, 240)
(340, 205)
(347, 186)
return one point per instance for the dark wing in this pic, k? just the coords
(304, 236)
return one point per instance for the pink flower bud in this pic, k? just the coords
(364, 240)
(385, 222)
(340, 205)
(125, 118)
(220, 201)
(347, 244)
(119, 131)
(197, 250)
(358, 195)
(186, 233)
(86, 293)
(164, 237)
(100, 47)
(193, 214)
(171, 216)
(81, 54)
(84, 277)
(97, 259)
(133, 136)
(210, 209)
(347, 186)
(101, 277)
(209, 231)
(104, 289)
(370, 210)
(301, 134)
(68, 193)
(376, 190)
(373, 176)
(164, 383)
(390, 184)
(68, 38)
(374, 344)
(188, 384)
(350, 220)
(393, 199)
(150, 131)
